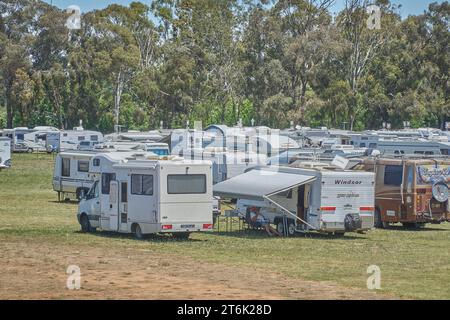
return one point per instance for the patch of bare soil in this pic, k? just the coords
(35, 271)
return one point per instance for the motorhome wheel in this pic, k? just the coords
(377, 219)
(138, 232)
(85, 224)
(290, 228)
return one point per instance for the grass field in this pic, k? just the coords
(414, 264)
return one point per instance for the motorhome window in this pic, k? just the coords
(186, 183)
(94, 138)
(362, 145)
(83, 166)
(142, 184)
(445, 152)
(372, 145)
(393, 175)
(81, 138)
(65, 169)
(123, 192)
(20, 136)
(96, 163)
(106, 180)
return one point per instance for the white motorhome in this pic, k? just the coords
(68, 140)
(75, 171)
(5, 152)
(226, 164)
(310, 197)
(150, 196)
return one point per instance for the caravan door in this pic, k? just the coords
(113, 211)
(123, 207)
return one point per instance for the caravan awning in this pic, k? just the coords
(259, 184)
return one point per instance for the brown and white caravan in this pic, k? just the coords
(411, 191)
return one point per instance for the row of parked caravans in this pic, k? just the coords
(313, 196)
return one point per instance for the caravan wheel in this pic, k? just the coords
(290, 230)
(138, 232)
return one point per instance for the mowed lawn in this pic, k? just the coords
(414, 264)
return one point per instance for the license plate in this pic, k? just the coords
(187, 226)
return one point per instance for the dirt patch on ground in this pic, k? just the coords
(33, 271)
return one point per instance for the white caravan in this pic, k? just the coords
(313, 197)
(5, 152)
(75, 171)
(150, 196)
(69, 140)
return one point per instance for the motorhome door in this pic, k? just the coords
(113, 211)
(123, 206)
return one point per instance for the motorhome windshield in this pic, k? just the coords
(186, 184)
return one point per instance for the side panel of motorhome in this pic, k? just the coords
(5, 152)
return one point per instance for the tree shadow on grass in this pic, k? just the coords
(154, 238)
(402, 228)
(71, 202)
(261, 234)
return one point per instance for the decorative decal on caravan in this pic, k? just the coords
(432, 174)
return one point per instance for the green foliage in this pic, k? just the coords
(221, 61)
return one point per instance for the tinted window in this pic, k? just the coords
(80, 138)
(65, 170)
(372, 145)
(123, 192)
(94, 138)
(83, 166)
(96, 163)
(142, 184)
(106, 179)
(393, 175)
(186, 184)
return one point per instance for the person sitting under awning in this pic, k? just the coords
(258, 219)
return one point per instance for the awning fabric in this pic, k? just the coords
(259, 184)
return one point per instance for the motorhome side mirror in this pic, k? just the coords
(375, 153)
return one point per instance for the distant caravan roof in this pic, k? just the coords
(259, 184)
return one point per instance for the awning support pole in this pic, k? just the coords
(287, 211)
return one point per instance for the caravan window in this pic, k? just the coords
(83, 166)
(81, 138)
(94, 138)
(186, 183)
(142, 184)
(106, 180)
(393, 175)
(65, 169)
(96, 163)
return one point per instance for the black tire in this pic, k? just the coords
(413, 225)
(377, 220)
(291, 228)
(138, 232)
(85, 224)
(280, 227)
(181, 235)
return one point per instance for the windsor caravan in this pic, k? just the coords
(308, 197)
(5, 152)
(74, 171)
(150, 196)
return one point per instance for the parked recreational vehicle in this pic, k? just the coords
(75, 171)
(309, 197)
(150, 196)
(71, 173)
(226, 164)
(5, 152)
(69, 140)
(410, 191)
